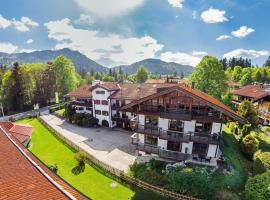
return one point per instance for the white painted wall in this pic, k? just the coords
(189, 146)
(211, 150)
(141, 138)
(215, 127)
(141, 119)
(162, 143)
(163, 123)
(189, 126)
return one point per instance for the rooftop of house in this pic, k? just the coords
(255, 92)
(21, 132)
(110, 86)
(84, 91)
(23, 176)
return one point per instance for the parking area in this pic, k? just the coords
(108, 145)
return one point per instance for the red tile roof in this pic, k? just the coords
(253, 91)
(155, 81)
(84, 91)
(110, 86)
(22, 176)
(21, 132)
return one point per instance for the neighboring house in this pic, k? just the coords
(23, 176)
(259, 95)
(22, 132)
(174, 121)
(234, 85)
(82, 99)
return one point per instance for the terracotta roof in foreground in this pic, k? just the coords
(253, 91)
(84, 91)
(22, 176)
(21, 132)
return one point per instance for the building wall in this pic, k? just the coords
(141, 119)
(189, 146)
(189, 126)
(212, 150)
(216, 127)
(162, 144)
(141, 138)
(163, 123)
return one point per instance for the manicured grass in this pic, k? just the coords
(60, 112)
(91, 182)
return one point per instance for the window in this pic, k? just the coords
(104, 102)
(203, 127)
(97, 101)
(151, 140)
(98, 112)
(105, 113)
(174, 146)
(176, 125)
(100, 92)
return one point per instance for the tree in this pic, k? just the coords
(262, 163)
(182, 75)
(267, 62)
(257, 187)
(66, 76)
(247, 110)
(237, 73)
(249, 145)
(142, 75)
(210, 77)
(246, 79)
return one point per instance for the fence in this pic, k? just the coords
(119, 173)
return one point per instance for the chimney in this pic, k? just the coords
(193, 85)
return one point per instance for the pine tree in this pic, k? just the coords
(17, 85)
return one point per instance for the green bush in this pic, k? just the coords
(80, 157)
(266, 129)
(261, 163)
(226, 195)
(245, 130)
(258, 187)
(53, 167)
(249, 145)
(232, 127)
(53, 109)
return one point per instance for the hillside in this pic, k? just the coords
(79, 60)
(157, 66)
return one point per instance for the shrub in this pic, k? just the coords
(262, 163)
(257, 187)
(232, 127)
(245, 130)
(53, 167)
(266, 129)
(249, 146)
(80, 157)
(226, 195)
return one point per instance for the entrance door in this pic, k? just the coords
(200, 149)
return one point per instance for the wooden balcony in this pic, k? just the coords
(205, 138)
(148, 148)
(174, 155)
(82, 103)
(179, 115)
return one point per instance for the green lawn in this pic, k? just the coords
(91, 182)
(60, 112)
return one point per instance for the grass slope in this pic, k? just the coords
(91, 182)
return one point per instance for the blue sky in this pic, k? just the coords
(121, 32)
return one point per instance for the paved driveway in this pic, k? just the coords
(110, 146)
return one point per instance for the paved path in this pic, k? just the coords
(110, 146)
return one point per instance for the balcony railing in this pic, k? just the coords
(172, 155)
(82, 103)
(205, 138)
(120, 118)
(115, 106)
(179, 115)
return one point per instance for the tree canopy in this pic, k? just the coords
(142, 74)
(210, 77)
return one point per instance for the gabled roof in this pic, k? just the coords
(21, 132)
(209, 100)
(23, 176)
(110, 86)
(253, 91)
(84, 91)
(155, 81)
(135, 91)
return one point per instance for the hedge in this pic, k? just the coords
(261, 163)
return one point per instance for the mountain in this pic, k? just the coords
(156, 66)
(79, 60)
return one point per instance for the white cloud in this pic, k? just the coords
(20, 25)
(84, 20)
(7, 47)
(105, 8)
(29, 22)
(223, 37)
(246, 53)
(118, 49)
(199, 53)
(176, 3)
(29, 41)
(182, 58)
(212, 16)
(27, 50)
(4, 23)
(242, 32)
